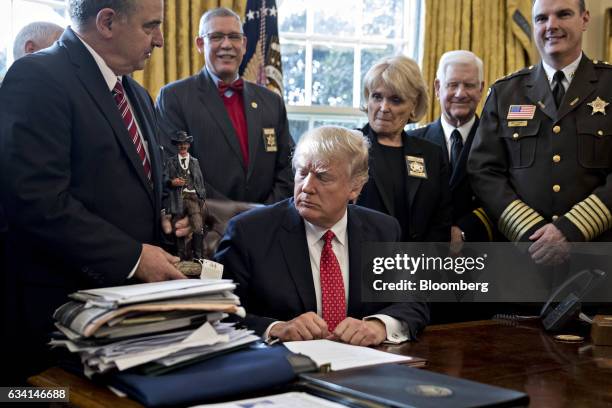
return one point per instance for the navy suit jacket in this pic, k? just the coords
(194, 105)
(429, 202)
(78, 203)
(265, 251)
(468, 213)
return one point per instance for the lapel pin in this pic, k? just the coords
(254, 105)
(598, 105)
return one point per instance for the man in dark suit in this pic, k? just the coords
(458, 86)
(240, 130)
(297, 262)
(541, 160)
(81, 170)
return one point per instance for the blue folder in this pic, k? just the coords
(252, 369)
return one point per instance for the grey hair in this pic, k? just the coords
(334, 144)
(459, 57)
(81, 11)
(402, 76)
(40, 32)
(216, 12)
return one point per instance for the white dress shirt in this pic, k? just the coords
(464, 131)
(396, 330)
(568, 70)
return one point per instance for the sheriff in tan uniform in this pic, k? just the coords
(542, 170)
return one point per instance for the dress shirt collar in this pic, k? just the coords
(109, 76)
(314, 233)
(464, 129)
(568, 70)
(186, 157)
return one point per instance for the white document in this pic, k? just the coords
(147, 292)
(289, 399)
(341, 355)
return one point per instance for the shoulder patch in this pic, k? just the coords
(602, 64)
(520, 72)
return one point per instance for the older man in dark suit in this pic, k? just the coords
(81, 169)
(297, 263)
(459, 85)
(240, 130)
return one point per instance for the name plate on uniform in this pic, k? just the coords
(517, 123)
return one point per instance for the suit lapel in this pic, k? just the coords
(295, 249)
(538, 91)
(252, 113)
(148, 133)
(435, 133)
(412, 183)
(92, 80)
(212, 102)
(373, 170)
(461, 170)
(582, 86)
(355, 240)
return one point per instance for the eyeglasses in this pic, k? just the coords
(217, 38)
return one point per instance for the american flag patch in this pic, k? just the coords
(521, 112)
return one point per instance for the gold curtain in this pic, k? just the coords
(179, 57)
(498, 31)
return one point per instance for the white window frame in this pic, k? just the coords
(410, 44)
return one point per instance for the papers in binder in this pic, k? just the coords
(342, 356)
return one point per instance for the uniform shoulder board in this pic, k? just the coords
(602, 64)
(520, 72)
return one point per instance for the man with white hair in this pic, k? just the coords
(458, 86)
(297, 262)
(35, 37)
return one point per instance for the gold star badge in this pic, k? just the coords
(598, 105)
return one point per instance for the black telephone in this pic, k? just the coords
(555, 318)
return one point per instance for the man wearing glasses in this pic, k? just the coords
(240, 130)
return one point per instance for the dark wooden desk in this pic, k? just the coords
(517, 356)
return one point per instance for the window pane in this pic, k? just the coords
(369, 56)
(334, 17)
(291, 16)
(26, 12)
(351, 124)
(292, 56)
(297, 128)
(332, 76)
(383, 18)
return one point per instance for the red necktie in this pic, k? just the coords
(130, 123)
(332, 286)
(235, 86)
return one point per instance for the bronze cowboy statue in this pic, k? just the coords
(184, 195)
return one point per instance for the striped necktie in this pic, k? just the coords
(130, 123)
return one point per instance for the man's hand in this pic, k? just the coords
(360, 332)
(157, 265)
(178, 182)
(182, 226)
(456, 242)
(550, 247)
(307, 326)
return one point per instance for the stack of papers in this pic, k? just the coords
(152, 326)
